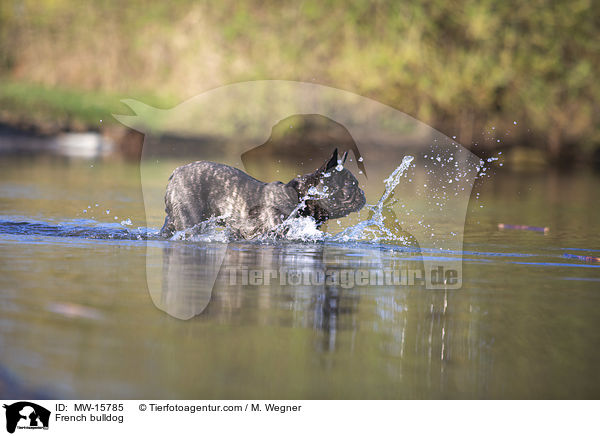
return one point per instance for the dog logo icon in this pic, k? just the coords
(26, 415)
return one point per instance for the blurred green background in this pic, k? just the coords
(517, 76)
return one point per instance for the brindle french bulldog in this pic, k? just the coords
(248, 207)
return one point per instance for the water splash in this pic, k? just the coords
(206, 231)
(374, 228)
(299, 229)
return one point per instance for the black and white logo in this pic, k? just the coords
(26, 415)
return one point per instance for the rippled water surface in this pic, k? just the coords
(77, 319)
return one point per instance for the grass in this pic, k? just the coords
(33, 103)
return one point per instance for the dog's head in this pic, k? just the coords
(332, 191)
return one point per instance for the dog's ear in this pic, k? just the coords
(344, 157)
(331, 163)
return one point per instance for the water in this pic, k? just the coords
(77, 319)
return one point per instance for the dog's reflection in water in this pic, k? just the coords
(293, 285)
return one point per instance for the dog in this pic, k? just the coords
(202, 190)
